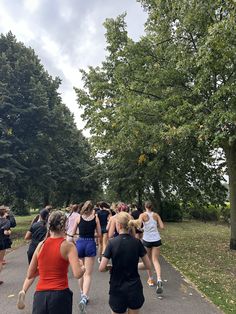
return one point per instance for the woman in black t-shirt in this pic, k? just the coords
(126, 290)
(36, 233)
(104, 215)
(4, 231)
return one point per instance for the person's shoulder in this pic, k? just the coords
(134, 240)
(155, 215)
(114, 240)
(36, 224)
(67, 244)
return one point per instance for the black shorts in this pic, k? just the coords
(104, 229)
(152, 244)
(53, 302)
(2, 245)
(7, 242)
(120, 302)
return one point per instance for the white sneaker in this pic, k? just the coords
(21, 300)
(82, 304)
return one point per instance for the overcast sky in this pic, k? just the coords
(67, 34)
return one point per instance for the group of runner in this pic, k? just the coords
(117, 231)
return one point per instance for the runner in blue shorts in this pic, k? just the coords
(87, 223)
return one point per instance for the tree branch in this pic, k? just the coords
(144, 93)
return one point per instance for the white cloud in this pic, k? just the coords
(31, 5)
(66, 12)
(67, 35)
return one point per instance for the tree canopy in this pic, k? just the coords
(44, 157)
(163, 109)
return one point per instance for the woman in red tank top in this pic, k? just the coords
(51, 261)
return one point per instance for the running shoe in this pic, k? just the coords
(21, 300)
(151, 282)
(82, 304)
(159, 287)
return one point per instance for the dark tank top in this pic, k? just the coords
(102, 216)
(87, 228)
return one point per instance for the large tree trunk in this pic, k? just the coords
(230, 153)
(140, 200)
(68, 200)
(46, 199)
(157, 195)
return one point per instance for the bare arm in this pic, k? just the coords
(159, 221)
(75, 226)
(98, 228)
(77, 266)
(103, 264)
(111, 228)
(33, 267)
(28, 235)
(7, 232)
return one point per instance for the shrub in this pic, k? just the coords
(206, 213)
(225, 212)
(19, 208)
(171, 211)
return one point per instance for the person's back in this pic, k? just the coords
(124, 271)
(126, 290)
(39, 231)
(151, 233)
(71, 222)
(50, 261)
(53, 268)
(103, 215)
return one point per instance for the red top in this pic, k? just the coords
(53, 268)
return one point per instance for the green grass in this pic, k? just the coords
(201, 252)
(18, 233)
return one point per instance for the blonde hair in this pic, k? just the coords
(57, 221)
(126, 221)
(87, 208)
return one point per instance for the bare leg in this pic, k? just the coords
(104, 242)
(155, 261)
(88, 263)
(2, 253)
(133, 311)
(100, 240)
(149, 252)
(81, 280)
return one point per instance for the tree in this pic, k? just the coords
(199, 39)
(134, 120)
(44, 158)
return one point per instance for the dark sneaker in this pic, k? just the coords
(159, 287)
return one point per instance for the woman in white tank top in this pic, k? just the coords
(152, 242)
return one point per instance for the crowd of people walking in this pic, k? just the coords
(124, 238)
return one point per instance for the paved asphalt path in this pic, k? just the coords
(179, 296)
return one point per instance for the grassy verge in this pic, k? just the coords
(18, 233)
(201, 252)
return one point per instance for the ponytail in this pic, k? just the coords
(124, 219)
